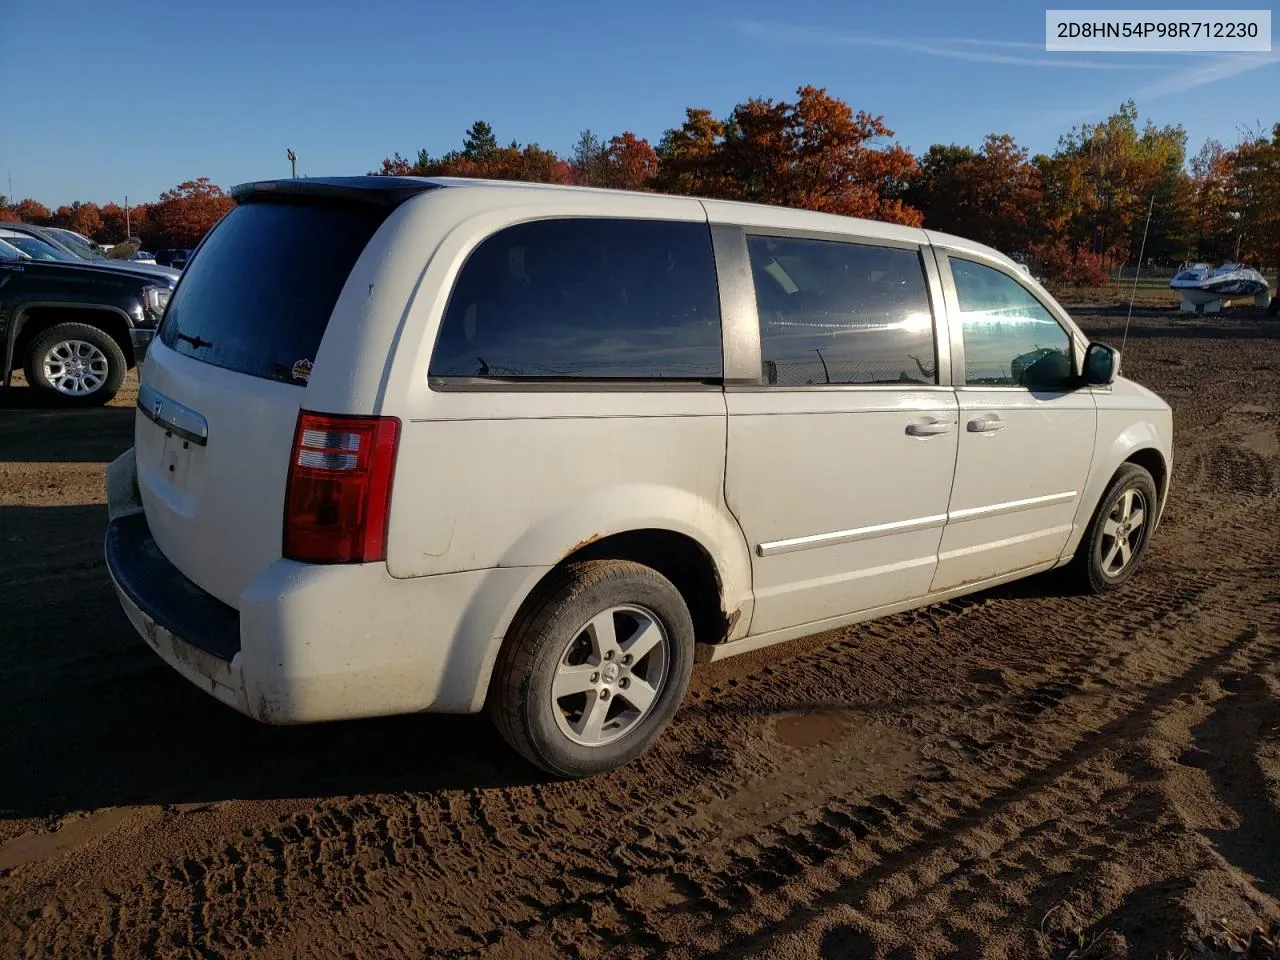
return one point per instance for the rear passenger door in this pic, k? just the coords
(842, 428)
(1026, 429)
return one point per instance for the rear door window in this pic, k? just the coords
(835, 312)
(258, 298)
(585, 299)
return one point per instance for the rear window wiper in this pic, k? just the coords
(194, 341)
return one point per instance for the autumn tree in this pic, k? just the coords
(630, 163)
(116, 226)
(1213, 214)
(687, 156)
(1256, 198)
(183, 215)
(29, 211)
(396, 166)
(530, 163)
(993, 194)
(815, 153)
(83, 218)
(1103, 177)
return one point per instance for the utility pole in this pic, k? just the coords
(293, 162)
(127, 232)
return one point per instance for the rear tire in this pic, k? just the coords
(1117, 537)
(567, 694)
(76, 364)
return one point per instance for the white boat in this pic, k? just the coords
(1206, 288)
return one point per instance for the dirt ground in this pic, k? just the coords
(1022, 773)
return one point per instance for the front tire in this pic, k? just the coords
(1119, 532)
(594, 668)
(77, 364)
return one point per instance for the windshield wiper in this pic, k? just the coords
(194, 341)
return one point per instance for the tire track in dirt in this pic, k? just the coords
(343, 871)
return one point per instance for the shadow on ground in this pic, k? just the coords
(32, 430)
(90, 717)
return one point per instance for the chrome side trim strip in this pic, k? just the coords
(173, 416)
(776, 547)
(1011, 506)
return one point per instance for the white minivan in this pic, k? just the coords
(443, 445)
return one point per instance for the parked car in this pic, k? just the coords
(442, 445)
(173, 258)
(143, 256)
(74, 328)
(35, 247)
(69, 242)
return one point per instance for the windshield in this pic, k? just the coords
(37, 249)
(76, 244)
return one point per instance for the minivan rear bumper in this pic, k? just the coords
(311, 643)
(194, 632)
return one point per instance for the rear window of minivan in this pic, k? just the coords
(257, 299)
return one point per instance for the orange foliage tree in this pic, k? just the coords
(630, 163)
(83, 218)
(815, 153)
(28, 211)
(116, 226)
(183, 215)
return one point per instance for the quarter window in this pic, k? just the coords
(1010, 339)
(585, 298)
(837, 312)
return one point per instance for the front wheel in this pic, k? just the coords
(1120, 530)
(594, 669)
(76, 363)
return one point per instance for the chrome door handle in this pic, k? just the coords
(929, 427)
(988, 424)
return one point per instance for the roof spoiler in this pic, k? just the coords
(374, 190)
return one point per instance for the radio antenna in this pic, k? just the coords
(1134, 292)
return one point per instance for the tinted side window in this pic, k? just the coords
(585, 299)
(835, 312)
(1010, 339)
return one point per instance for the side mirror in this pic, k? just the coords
(1101, 365)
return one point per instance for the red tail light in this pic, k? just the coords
(338, 495)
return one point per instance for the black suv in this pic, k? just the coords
(73, 327)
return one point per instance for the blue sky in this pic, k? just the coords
(113, 97)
